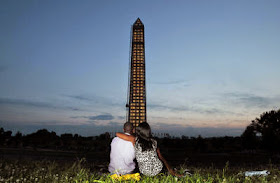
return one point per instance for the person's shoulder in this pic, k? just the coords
(115, 139)
(131, 136)
(119, 140)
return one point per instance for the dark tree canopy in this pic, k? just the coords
(265, 129)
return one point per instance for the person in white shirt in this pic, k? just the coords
(122, 153)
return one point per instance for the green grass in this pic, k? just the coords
(82, 172)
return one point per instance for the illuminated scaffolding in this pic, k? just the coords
(136, 105)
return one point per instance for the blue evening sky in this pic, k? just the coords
(211, 66)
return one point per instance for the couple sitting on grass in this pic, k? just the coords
(125, 147)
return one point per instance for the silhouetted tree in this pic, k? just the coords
(18, 139)
(200, 144)
(42, 138)
(249, 138)
(2, 139)
(266, 128)
(7, 137)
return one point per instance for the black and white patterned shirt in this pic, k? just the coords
(148, 161)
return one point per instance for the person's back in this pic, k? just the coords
(122, 154)
(148, 160)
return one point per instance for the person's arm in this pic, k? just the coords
(170, 170)
(123, 136)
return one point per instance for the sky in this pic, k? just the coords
(211, 66)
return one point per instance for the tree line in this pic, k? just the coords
(262, 134)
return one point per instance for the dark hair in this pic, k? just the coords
(144, 136)
(128, 127)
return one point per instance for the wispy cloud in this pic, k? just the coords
(183, 82)
(80, 97)
(96, 117)
(101, 117)
(250, 100)
(37, 104)
(205, 110)
(95, 99)
(115, 124)
(121, 117)
(165, 107)
(179, 130)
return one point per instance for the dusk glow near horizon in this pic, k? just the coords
(211, 66)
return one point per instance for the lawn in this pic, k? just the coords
(82, 171)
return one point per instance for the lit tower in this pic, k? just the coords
(136, 104)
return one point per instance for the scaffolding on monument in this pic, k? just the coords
(129, 68)
(136, 98)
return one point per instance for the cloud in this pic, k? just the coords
(80, 97)
(115, 124)
(76, 117)
(206, 110)
(179, 130)
(96, 118)
(249, 100)
(171, 108)
(25, 102)
(101, 117)
(184, 82)
(121, 117)
(95, 99)
(29, 103)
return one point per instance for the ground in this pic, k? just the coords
(42, 165)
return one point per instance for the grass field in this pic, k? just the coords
(81, 171)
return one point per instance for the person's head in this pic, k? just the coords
(143, 130)
(128, 127)
(144, 136)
